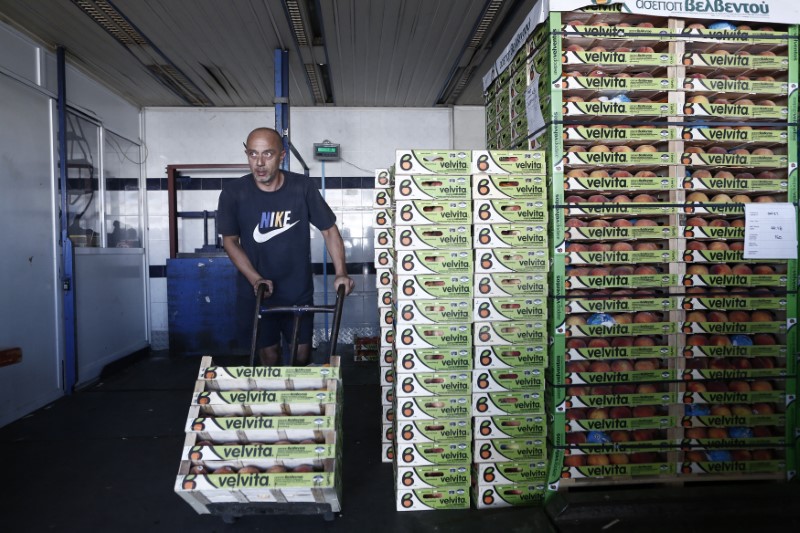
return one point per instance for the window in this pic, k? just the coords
(123, 223)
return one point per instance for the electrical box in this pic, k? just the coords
(326, 151)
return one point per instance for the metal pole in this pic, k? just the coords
(70, 364)
(324, 257)
(282, 101)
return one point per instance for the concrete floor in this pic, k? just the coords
(105, 459)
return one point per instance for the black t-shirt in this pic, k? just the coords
(274, 231)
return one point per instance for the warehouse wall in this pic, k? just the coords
(31, 316)
(368, 139)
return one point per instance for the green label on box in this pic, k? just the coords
(736, 110)
(509, 379)
(735, 35)
(735, 351)
(606, 83)
(434, 453)
(622, 158)
(734, 420)
(616, 330)
(620, 184)
(510, 357)
(626, 32)
(451, 497)
(514, 471)
(434, 311)
(435, 286)
(619, 58)
(729, 134)
(734, 373)
(619, 108)
(510, 426)
(446, 237)
(631, 232)
(714, 209)
(518, 186)
(260, 451)
(631, 400)
(432, 383)
(615, 257)
(744, 303)
(597, 133)
(268, 372)
(733, 467)
(512, 284)
(736, 86)
(714, 256)
(433, 162)
(645, 469)
(509, 162)
(510, 308)
(411, 212)
(520, 449)
(627, 305)
(610, 282)
(510, 211)
(437, 430)
(508, 402)
(734, 184)
(622, 352)
(263, 422)
(434, 335)
(771, 396)
(735, 280)
(435, 262)
(725, 444)
(593, 378)
(510, 235)
(732, 328)
(735, 160)
(434, 476)
(516, 260)
(736, 61)
(264, 397)
(711, 232)
(627, 424)
(432, 187)
(425, 407)
(608, 208)
(266, 481)
(435, 360)
(512, 332)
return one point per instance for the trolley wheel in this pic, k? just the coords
(228, 518)
(328, 516)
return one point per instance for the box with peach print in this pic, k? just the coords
(508, 495)
(432, 360)
(518, 355)
(507, 260)
(734, 461)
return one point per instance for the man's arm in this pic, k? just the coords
(233, 248)
(335, 245)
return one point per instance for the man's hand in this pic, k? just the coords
(267, 287)
(348, 283)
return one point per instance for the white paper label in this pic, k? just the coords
(770, 231)
(533, 110)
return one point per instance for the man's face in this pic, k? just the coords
(264, 155)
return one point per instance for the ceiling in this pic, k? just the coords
(345, 53)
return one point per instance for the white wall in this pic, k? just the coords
(368, 139)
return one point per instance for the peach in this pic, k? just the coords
(577, 173)
(621, 174)
(645, 270)
(744, 101)
(644, 341)
(693, 150)
(599, 173)
(577, 247)
(741, 269)
(622, 270)
(717, 245)
(701, 174)
(696, 340)
(697, 270)
(622, 246)
(645, 246)
(716, 150)
(621, 365)
(599, 459)
(762, 316)
(741, 199)
(574, 99)
(646, 364)
(766, 102)
(575, 438)
(720, 270)
(698, 99)
(644, 198)
(723, 175)
(622, 341)
(696, 245)
(764, 339)
(598, 343)
(744, 176)
(721, 410)
(696, 433)
(719, 223)
(766, 199)
(576, 148)
(599, 148)
(597, 49)
(740, 151)
(717, 433)
(575, 320)
(721, 199)
(575, 461)
(622, 148)
(646, 148)
(597, 413)
(574, 48)
(718, 316)
(597, 198)
(696, 221)
(574, 223)
(696, 316)
(762, 151)
(622, 318)
(599, 223)
(767, 175)
(763, 270)
(738, 316)
(599, 247)
(719, 340)
(697, 197)
(646, 174)
(645, 222)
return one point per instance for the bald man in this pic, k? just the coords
(265, 218)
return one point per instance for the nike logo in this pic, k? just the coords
(264, 237)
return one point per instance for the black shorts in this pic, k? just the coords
(271, 326)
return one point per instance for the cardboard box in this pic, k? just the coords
(729, 134)
(505, 309)
(622, 424)
(612, 378)
(387, 336)
(500, 187)
(434, 383)
(713, 85)
(384, 218)
(629, 109)
(427, 477)
(618, 281)
(532, 285)
(434, 336)
(601, 159)
(621, 352)
(658, 183)
(436, 430)
(456, 162)
(428, 187)
(733, 328)
(500, 450)
(433, 212)
(387, 376)
(523, 162)
(608, 135)
(436, 262)
(434, 237)
(261, 456)
(508, 403)
(434, 360)
(518, 355)
(734, 468)
(508, 495)
(226, 378)
(432, 311)
(383, 238)
(614, 400)
(512, 236)
(433, 407)
(610, 83)
(384, 278)
(626, 232)
(735, 160)
(621, 330)
(510, 472)
(387, 395)
(433, 286)
(264, 402)
(506, 260)
(313, 487)
(387, 452)
(510, 333)
(623, 305)
(621, 257)
(383, 199)
(752, 112)
(512, 379)
(509, 427)
(387, 433)
(780, 185)
(387, 414)
(385, 258)
(512, 211)
(434, 453)
(386, 317)
(383, 178)
(385, 299)
(736, 280)
(735, 36)
(387, 356)
(776, 350)
(440, 498)
(265, 429)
